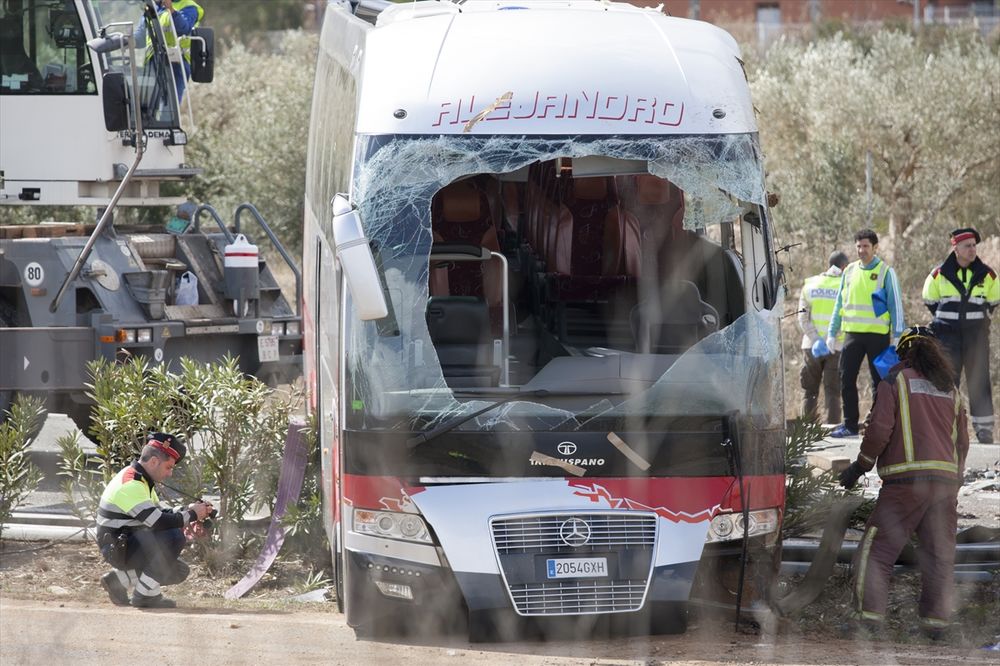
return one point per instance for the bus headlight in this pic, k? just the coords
(391, 525)
(729, 526)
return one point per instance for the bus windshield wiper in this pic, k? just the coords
(448, 426)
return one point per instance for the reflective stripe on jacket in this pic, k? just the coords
(915, 430)
(171, 30)
(130, 501)
(819, 294)
(957, 295)
(857, 312)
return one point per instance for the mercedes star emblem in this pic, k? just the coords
(574, 532)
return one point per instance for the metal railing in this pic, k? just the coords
(278, 246)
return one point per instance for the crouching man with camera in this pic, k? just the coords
(138, 537)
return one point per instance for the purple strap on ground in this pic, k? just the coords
(293, 468)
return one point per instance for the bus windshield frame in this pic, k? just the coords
(393, 376)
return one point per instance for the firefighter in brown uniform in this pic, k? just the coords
(918, 440)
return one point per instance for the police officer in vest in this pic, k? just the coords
(139, 538)
(919, 441)
(869, 310)
(962, 293)
(820, 362)
(185, 15)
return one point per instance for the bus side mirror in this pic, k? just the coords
(202, 55)
(115, 102)
(356, 259)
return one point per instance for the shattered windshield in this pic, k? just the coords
(157, 90)
(562, 281)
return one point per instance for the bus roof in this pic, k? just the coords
(549, 68)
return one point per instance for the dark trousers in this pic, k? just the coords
(929, 508)
(816, 372)
(969, 348)
(856, 347)
(155, 553)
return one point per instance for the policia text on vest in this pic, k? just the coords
(819, 361)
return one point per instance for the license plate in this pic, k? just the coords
(267, 348)
(577, 567)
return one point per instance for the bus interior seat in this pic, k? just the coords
(675, 323)
(459, 326)
(658, 206)
(676, 253)
(461, 215)
(512, 195)
(587, 265)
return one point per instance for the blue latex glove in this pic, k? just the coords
(819, 349)
(886, 360)
(880, 302)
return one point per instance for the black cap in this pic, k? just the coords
(838, 259)
(172, 445)
(959, 235)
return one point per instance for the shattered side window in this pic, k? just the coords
(394, 375)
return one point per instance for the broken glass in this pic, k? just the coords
(395, 379)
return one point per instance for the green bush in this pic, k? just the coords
(18, 476)
(234, 427)
(305, 534)
(809, 494)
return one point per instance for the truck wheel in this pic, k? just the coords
(81, 415)
(7, 318)
(6, 401)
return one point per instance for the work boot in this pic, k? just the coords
(116, 591)
(159, 601)
(984, 435)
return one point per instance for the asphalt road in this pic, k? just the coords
(55, 633)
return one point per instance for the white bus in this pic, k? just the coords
(540, 311)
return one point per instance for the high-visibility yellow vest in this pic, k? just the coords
(941, 294)
(857, 313)
(167, 25)
(125, 495)
(820, 291)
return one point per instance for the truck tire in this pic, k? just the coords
(7, 317)
(81, 415)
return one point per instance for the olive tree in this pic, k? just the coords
(253, 123)
(893, 131)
